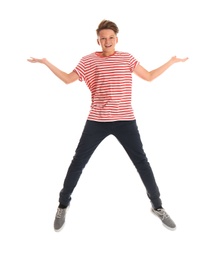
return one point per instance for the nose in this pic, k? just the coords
(107, 41)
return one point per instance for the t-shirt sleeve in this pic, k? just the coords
(80, 70)
(132, 62)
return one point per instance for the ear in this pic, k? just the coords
(98, 42)
(116, 39)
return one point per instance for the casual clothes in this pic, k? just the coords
(127, 134)
(110, 82)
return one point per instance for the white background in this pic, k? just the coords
(178, 115)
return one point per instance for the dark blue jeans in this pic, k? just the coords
(128, 135)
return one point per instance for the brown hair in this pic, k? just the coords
(106, 24)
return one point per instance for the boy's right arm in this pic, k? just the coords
(67, 78)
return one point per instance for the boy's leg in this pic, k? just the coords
(128, 135)
(92, 136)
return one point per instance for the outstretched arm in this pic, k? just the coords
(151, 75)
(65, 77)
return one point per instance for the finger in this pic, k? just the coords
(185, 59)
(32, 58)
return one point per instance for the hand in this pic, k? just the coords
(175, 59)
(35, 60)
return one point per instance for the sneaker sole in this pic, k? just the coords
(58, 230)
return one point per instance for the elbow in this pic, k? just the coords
(70, 78)
(69, 81)
(66, 82)
(149, 78)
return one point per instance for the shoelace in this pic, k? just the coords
(59, 213)
(163, 213)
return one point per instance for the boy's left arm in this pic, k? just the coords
(151, 75)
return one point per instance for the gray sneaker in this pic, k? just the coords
(59, 219)
(165, 218)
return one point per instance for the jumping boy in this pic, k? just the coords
(108, 75)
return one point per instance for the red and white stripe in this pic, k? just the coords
(110, 82)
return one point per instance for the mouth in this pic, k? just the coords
(108, 46)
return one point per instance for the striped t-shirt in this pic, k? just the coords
(110, 82)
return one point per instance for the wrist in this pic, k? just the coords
(44, 61)
(172, 60)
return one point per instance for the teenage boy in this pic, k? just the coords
(108, 75)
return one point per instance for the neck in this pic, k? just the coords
(106, 54)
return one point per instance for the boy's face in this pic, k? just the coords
(107, 39)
